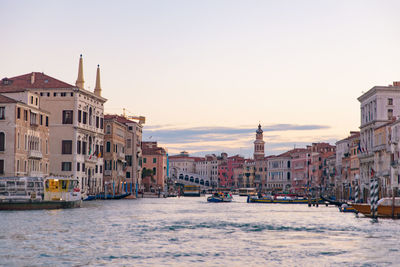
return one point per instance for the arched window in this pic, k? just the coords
(2, 141)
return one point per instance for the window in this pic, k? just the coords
(36, 100)
(47, 121)
(55, 94)
(84, 117)
(96, 169)
(101, 123)
(108, 147)
(128, 174)
(144, 160)
(66, 147)
(154, 171)
(47, 147)
(390, 101)
(1, 166)
(79, 115)
(83, 148)
(83, 167)
(31, 99)
(390, 114)
(154, 160)
(18, 113)
(33, 118)
(48, 94)
(78, 147)
(66, 166)
(63, 94)
(108, 129)
(78, 167)
(2, 141)
(2, 113)
(128, 143)
(41, 119)
(101, 169)
(72, 94)
(25, 115)
(67, 117)
(18, 136)
(101, 151)
(97, 122)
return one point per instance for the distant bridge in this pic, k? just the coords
(187, 178)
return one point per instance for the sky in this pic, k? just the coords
(206, 73)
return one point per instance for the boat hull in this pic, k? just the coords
(215, 200)
(40, 205)
(281, 201)
(383, 210)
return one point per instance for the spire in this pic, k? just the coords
(97, 89)
(80, 81)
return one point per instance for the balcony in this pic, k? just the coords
(35, 154)
(91, 159)
(107, 173)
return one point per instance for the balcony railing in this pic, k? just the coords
(91, 158)
(107, 172)
(35, 154)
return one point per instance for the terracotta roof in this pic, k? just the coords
(4, 99)
(41, 81)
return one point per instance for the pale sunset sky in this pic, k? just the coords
(205, 73)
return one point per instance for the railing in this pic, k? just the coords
(36, 154)
(107, 172)
(91, 158)
(121, 155)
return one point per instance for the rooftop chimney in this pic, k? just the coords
(33, 78)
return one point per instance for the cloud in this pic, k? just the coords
(234, 140)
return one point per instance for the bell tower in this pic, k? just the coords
(259, 144)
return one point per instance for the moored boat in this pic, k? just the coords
(386, 208)
(220, 197)
(347, 208)
(281, 199)
(31, 193)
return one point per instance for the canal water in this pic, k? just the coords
(191, 232)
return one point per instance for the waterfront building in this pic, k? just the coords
(114, 155)
(130, 159)
(182, 162)
(24, 133)
(347, 165)
(279, 172)
(225, 170)
(249, 169)
(393, 140)
(378, 106)
(319, 152)
(382, 158)
(208, 167)
(75, 125)
(155, 161)
(300, 163)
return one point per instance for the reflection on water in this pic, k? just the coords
(182, 231)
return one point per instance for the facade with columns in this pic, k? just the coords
(75, 124)
(379, 105)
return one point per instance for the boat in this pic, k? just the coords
(346, 208)
(33, 193)
(191, 191)
(106, 196)
(281, 199)
(332, 201)
(244, 192)
(220, 197)
(386, 208)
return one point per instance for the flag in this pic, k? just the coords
(359, 146)
(372, 172)
(99, 155)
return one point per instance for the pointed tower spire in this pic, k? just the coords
(80, 81)
(97, 89)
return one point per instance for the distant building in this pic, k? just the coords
(154, 160)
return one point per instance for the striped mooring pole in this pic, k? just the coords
(374, 197)
(356, 194)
